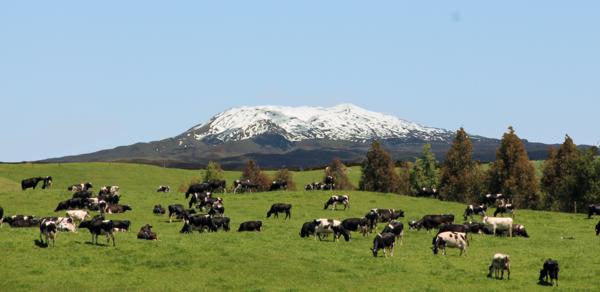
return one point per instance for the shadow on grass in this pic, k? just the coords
(40, 243)
(544, 283)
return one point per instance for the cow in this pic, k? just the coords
(244, 186)
(396, 228)
(216, 185)
(428, 192)
(491, 199)
(221, 222)
(550, 269)
(502, 222)
(22, 221)
(475, 210)
(209, 202)
(308, 229)
(78, 215)
(116, 208)
(328, 183)
(250, 226)
(597, 226)
(278, 185)
(82, 195)
(30, 183)
(505, 208)
(593, 209)
(47, 182)
(198, 199)
(314, 186)
(146, 233)
(330, 226)
(519, 230)
(386, 215)
(65, 224)
(198, 188)
(80, 187)
(450, 239)
(177, 211)
(99, 226)
(95, 204)
(48, 231)
(433, 221)
(474, 227)
(500, 263)
(280, 208)
(200, 223)
(384, 241)
(158, 210)
(121, 225)
(106, 190)
(217, 209)
(1, 216)
(70, 204)
(356, 224)
(110, 198)
(163, 189)
(337, 199)
(372, 218)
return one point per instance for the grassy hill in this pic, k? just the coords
(277, 258)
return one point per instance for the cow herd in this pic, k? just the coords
(205, 213)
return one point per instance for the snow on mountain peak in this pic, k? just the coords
(346, 122)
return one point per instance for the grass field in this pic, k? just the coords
(277, 258)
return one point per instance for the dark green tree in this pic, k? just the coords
(559, 178)
(253, 173)
(339, 172)
(424, 173)
(213, 172)
(378, 171)
(285, 175)
(458, 170)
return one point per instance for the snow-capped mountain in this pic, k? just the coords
(345, 122)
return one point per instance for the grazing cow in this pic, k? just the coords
(198, 199)
(597, 226)
(278, 185)
(80, 187)
(505, 208)
(30, 182)
(115, 209)
(146, 233)
(593, 209)
(356, 224)
(433, 221)
(99, 226)
(217, 209)
(550, 269)
(200, 223)
(384, 240)
(502, 222)
(308, 229)
(475, 210)
(519, 230)
(21, 221)
(48, 230)
(121, 225)
(500, 263)
(82, 195)
(428, 192)
(450, 239)
(280, 208)
(177, 211)
(337, 199)
(372, 218)
(244, 186)
(109, 190)
(158, 210)
(250, 226)
(221, 222)
(163, 189)
(395, 227)
(386, 215)
(70, 204)
(47, 182)
(330, 226)
(78, 215)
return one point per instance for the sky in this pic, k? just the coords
(81, 76)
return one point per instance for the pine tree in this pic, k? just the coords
(253, 173)
(213, 172)
(285, 175)
(339, 172)
(559, 179)
(379, 172)
(512, 174)
(424, 173)
(458, 170)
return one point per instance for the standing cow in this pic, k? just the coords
(450, 239)
(384, 241)
(48, 231)
(337, 199)
(550, 269)
(280, 208)
(500, 263)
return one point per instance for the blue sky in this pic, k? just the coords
(77, 76)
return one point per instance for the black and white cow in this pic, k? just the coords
(200, 188)
(505, 208)
(550, 269)
(278, 185)
(80, 187)
(433, 221)
(22, 221)
(475, 210)
(250, 226)
(428, 192)
(280, 208)
(99, 226)
(210, 202)
(146, 233)
(106, 190)
(30, 182)
(198, 223)
(593, 209)
(519, 230)
(221, 222)
(474, 227)
(244, 186)
(500, 263)
(384, 241)
(163, 189)
(450, 239)
(70, 204)
(48, 231)
(121, 225)
(198, 199)
(491, 199)
(47, 182)
(315, 186)
(308, 229)
(395, 227)
(116, 208)
(330, 226)
(179, 212)
(337, 199)
(1, 216)
(372, 218)
(386, 215)
(329, 183)
(78, 215)
(82, 195)
(356, 224)
(158, 210)
(110, 198)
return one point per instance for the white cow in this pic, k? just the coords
(330, 226)
(65, 224)
(500, 263)
(450, 239)
(78, 215)
(499, 223)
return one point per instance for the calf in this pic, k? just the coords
(502, 222)
(146, 233)
(500, 263)
(550, 269)
(505, 208)
(163, 189)
(384, 241)
(121, 225)
(48, 230)
(397, 228)
(98, 226)
(356, 224)
(250, 226)
(386, 215)
(450, 239)
(21, 221)
(337, 199)
(593, 209)
(475, 210)
(433, 221)
(158, 210)
(280, 208)
(308, 229)
(198, 223)
(330, 226)
(221, 222)
(78, 215)
(115, 209)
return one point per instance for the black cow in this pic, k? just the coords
(221, 222)
(121, 225)
(158, 210)
(30, 182)
(395, 227)
(597, 226)
(372, 218)
(1, 216)
(454, 228)
(80, 187)
(199, 223)
(337, 199)
(505, 208)
(22, 221)
(115, 209)
(427, 192)
(163, 189)
(593, 209)
(356, 224)
(198, 188)
(179, 212)
(278, 185)
(384, 241)
(432, 221)
(250, 226)
(474, 227)
(475, 210)
(146, 233)
(386, 215)
(48, 231)
(280, 208)
(308, 229)
(99, 226)
(216, 185)
(76, 203)
(550, 269)
(82, 195)
(517, 230)
(244, 186)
